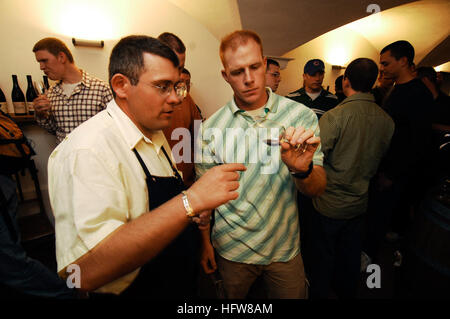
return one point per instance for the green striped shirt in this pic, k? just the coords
(261, 226)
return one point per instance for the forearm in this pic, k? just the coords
(205, 234)
(132, 245)
(314, 185)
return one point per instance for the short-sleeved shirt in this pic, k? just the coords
(96, 183)
(261, 226)
(88, 98)
(355, 135)
(324, 102)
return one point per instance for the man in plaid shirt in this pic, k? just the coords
(75, 98)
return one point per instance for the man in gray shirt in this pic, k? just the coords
(355, 136)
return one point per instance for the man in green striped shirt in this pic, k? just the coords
(258, 234)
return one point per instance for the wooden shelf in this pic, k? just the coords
(23, 119)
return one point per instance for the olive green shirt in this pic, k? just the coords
(355, 135)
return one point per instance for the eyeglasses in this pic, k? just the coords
(275, 75)
(166, 89)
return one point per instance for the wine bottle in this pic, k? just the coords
(3, 104)
(31, 95)
(47, 86)
(18, 98)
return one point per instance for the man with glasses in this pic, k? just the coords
(183, 118)
(186, 78)
(273, 76)
(121, 209)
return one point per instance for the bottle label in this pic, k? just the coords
(4, 107)
(20, 108)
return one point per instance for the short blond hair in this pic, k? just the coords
(236, 39)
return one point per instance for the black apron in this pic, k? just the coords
(172, 273)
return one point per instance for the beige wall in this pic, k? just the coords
(113, 19)
(339, 47)
(24, 22)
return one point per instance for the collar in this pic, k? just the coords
(85, 81)
(359, 97)
(130, 132)
(270, 105)
(301, 90)
(323, 92)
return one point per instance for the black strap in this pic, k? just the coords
(171, 164)
(7, 218)
(146, 171)
(144, 167)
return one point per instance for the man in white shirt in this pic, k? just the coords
(114, 189)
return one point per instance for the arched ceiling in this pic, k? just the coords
(286, 24)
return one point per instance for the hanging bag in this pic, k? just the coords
(15, 150)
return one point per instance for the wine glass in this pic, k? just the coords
(39, 87)
(42, 90)
(271, 132)
(277, 133)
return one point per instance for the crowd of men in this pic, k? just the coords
(137, 221)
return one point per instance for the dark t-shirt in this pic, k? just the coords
(410, 106)
(441, 111)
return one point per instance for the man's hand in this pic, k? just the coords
(298, 147)
(203, 219)
(207, 258)
(383, 182)
(216, 187)
(42, 106)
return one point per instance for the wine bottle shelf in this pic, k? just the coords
(23, 119)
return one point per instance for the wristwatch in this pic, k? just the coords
(304, 174)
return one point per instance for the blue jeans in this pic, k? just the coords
(17, 270)
(336, 256)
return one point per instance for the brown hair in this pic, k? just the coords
(54, 46)
(173, 42)
(236, 39)
(127, 56)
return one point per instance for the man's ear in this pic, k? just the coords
(404, 61)
(265, 64)
(120, 85)
(346, 83)
(225, 76)
(61, 57)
